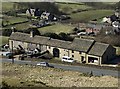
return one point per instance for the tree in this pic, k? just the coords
(6, 32)
(64, 36)
(61, 36)
(52, 35)
(35, 31)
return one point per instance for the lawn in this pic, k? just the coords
(90, 15)
(7, 20)
(69, 7)
(21, 26)
(3, 40)
(57, 28)
(7, 6)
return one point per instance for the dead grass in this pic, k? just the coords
(26, 75)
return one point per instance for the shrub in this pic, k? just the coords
(6, 32)
(66, 37)
(35, 31)
(52, 35)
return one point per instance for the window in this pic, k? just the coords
(72, 55)
(79, 52)
(72, 51)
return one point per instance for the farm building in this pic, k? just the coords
(81, 50)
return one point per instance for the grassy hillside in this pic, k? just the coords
(70, 7)
(36, 76)
(90, 15)
(57, 28)
(7, 20)
(3, 40)
(7, 6)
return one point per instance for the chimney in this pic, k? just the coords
(31, 33)
(13, 29)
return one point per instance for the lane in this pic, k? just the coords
(95, 71)
(19, 61)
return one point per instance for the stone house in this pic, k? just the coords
(30, 12)
(94, 28)
(81, 50)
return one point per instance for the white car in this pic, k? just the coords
(44, 64)
(67, 59)
(82, 33)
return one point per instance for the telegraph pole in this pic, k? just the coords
(12, 44)
(12, 53)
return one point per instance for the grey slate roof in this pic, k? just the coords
(40, 40)
(83, 45)
(98, 49)
(98, 26)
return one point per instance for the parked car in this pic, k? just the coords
(44, 64)
(91, 34)
(82, 33)
(9, 55)
(67, 59)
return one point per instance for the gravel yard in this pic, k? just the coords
(27, 75)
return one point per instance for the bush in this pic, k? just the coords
(52, 35)
(61, 36)
(66, 37)
(12, 13)
(6, 32)
(35, 31)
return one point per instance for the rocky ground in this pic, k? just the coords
(27, 75)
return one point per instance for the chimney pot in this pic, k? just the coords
(31, 34)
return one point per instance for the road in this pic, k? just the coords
(83, 69)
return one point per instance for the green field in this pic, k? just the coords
(90, 15)
(3, 40)
(7, 6)
(7, 20)
(69, 7)
(21, 26)
(57, 28)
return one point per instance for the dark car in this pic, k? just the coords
(9, 55)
